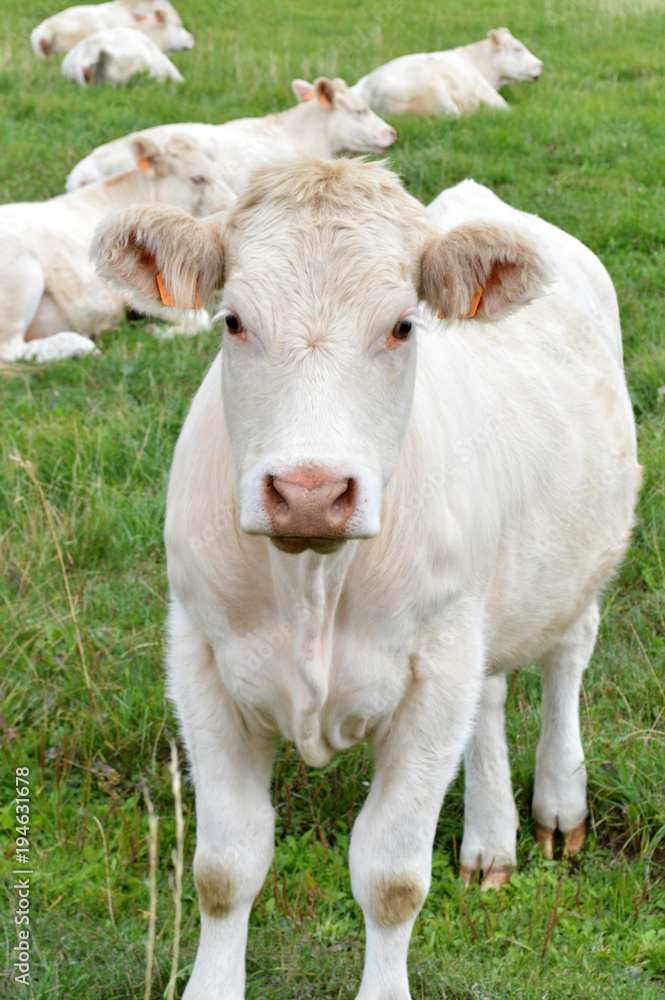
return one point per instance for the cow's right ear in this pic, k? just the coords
(162, 255)
(303, 90)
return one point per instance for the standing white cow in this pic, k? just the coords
(52, 302)
(155, 18)
(451, 82)
(399, 528)
(114, 56)
(327, 119)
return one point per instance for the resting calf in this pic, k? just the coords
(451, 82)
(51, 300)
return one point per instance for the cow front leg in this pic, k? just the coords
(231, 765)
(391, 844)
(490, 816)
(559, 798)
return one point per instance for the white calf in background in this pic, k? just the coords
(52, 302)
(155, 18)
(363, 539)
(114, 56)
(451, 82)
(328, 119)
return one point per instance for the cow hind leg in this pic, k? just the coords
(559, 799)
(490, 816)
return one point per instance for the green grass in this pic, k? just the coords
(84, 453)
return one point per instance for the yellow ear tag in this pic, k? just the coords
(166, 295)
(143, 163)
(475, 302)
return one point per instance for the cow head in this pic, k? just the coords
(511, 60)
(350, 123)
(163, 25)
(323, 267)
(182, 174)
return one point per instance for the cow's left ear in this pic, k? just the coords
(324, 90)
(160, 16)
(497, 36)
(148, 155)
(498, 262)
(162, 255)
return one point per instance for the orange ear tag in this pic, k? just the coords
(475, 302)
(143, 163)
(166, 295)
(309, 96)
(323, 101)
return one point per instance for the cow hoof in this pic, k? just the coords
(493, 877)
(545, 839)
(496, 877)
(574, 839)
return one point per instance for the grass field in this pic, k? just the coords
(84, 454)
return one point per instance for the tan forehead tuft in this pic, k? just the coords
(325, 188)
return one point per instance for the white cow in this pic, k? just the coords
(155, 18)
(114, 56)
(363, 539)
(51, 300)
(451, 82)
(327, 119)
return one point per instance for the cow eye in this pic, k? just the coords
(362, 111)
(198, 179)
(234, 324)
(402, 329)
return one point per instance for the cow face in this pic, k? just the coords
(350, 124)
(322, 266)
(511, 60)
(164, 27)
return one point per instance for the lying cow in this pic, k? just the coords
(451, 82)
(52, 303)
(155, 18)
(114, 56)
(362, 541)
(327, 119)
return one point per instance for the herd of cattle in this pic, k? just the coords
(362, 539)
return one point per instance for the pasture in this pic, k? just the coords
(84, 454)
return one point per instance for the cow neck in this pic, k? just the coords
(115, 192)
(305, 124)
(307, 591)
(479, 53)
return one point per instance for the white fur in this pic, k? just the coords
(114, 56)
(239, 146)
(502, 458)
(51, 300)
(451, 82)
(157, 19)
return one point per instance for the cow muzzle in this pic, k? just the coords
(311, 508)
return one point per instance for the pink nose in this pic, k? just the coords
(392, 135)
(309, 503)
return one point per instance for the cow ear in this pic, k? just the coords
(303, 90)
(161, 255)
(494, 38)
(498, 262)
(139, 17)
(148, 155)
(325, 91)
(160, 16)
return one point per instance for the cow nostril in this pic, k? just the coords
(273, 497)
(345, 503)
